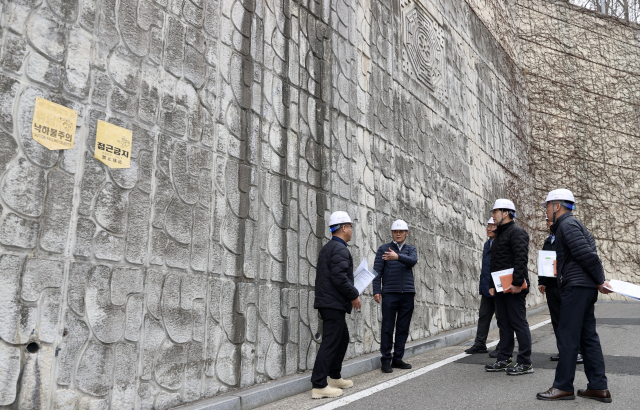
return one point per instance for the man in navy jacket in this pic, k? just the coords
(487, 301)
(394, 264)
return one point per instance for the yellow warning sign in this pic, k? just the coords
(53, 125)
(113, 145)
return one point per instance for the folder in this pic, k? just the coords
(506, 282)
(546, 263)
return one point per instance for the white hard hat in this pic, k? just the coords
(399, 225)
(559, 195)
(503, 204)
(339, 217)
(491, 221)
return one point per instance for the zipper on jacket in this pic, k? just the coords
(402, 279)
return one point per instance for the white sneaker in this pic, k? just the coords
(340, 383)
(328, 391)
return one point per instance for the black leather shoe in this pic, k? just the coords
(399, 364)
(494, 354)
(386, 367)
(555, 394)
(555, 358)
(476, 349)
(600, 395)
(580, 359)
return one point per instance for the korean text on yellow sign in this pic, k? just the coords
(113, 145)
(53, 125)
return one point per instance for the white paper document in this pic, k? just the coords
(625, 288)
(362, 277)
(496, 278)
(545, 263)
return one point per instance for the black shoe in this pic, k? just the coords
(494, 354)
(399, 364)
(476, 349)
(580, 359)
(498, 366)
(555, 358)
(518, 369)
(386, 367)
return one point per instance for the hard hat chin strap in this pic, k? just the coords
(502, 211)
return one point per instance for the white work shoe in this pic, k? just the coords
(340, 383)
(327, 391)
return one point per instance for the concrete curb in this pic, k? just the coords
(256, 396)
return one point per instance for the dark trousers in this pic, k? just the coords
(513, 318)
(553, 301)
(335, 340)
(577, 330)
(485, 314)
(397, 309)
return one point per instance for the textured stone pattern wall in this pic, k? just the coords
(191, 273)
(583, 82)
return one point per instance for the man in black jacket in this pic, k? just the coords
(394, 263)
(549, 286)
(510, 249)
(335, 295)
(580, 277)
(487, 301)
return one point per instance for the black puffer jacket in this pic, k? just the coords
(578, 263)
(334, 277)
(510, 249)
(396, 276)
(544, 280)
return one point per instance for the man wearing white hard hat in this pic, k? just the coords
(580, 276)
(335, 296)
(394, 263)
(487, 301)
(549, 286)
(510, 250)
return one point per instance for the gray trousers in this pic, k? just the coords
(487, 309)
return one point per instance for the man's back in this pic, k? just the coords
(578, 263)
(334, 278)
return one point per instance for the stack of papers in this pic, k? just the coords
(496, 278)
(362, 277)
(546, 265)
(625, 288)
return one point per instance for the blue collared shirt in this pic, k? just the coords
(553, 238)
(336, 238)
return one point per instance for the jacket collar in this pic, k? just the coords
(504, 227)
(558, 221)
(336, 238)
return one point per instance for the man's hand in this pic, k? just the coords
(390, 256)
(604, 289)
(356, 303)
(542, 288)
(514, 289)
(377, 297)
(492, 292)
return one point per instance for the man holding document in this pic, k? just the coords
(394, 263)
(509, 274)
(580, 277)
(548, 283)
(335, 296)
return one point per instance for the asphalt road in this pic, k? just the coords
(463, 384)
